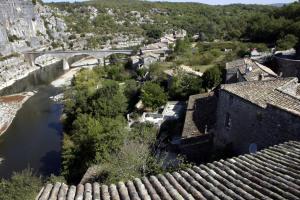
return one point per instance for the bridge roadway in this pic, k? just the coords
(31, 56)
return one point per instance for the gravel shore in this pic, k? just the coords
(9, 106)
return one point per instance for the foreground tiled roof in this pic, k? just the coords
(267, 92)
(272, 173)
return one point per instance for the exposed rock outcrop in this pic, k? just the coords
(23, 27)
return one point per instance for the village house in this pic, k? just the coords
(173, 110)
(247, 70)
(253, 115)
(147, 59)
(156, 48)
(269, 174)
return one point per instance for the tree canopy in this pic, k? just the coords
(152, 95)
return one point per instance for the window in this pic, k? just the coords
(228, 121)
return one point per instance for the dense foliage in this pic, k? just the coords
(255, 23)
(223, 22)
(97, 132)
(153, 96)
(21, 186)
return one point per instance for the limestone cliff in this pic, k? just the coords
(23, 27)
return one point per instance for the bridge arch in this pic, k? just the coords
(98, 54)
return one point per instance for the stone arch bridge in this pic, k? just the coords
(31, 56)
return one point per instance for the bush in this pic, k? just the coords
(287, 42)
(21, 186)
(153, 96)
(212, 77)
(13, 38)
(72, 37)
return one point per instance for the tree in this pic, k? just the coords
(91, 141)
(153, 31)
(108, 101)
(134, 156)
(185, 85)
(153, 96)
(21, 186)
(287, 42)
(182, 47)
(212, 77)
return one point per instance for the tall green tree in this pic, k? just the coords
(153, 96)
(184, 85)
(108, 101)
(212, 77)
(287, 42)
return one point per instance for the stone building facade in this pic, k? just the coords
(257, 114)
(288, 67)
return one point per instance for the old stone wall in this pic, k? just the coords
(246, 127)
(288, 67)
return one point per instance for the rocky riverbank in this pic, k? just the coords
(9, 106)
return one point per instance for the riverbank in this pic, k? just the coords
(9, 106)
(16, 68)
(65, 79)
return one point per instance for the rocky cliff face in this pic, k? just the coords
(23, 27)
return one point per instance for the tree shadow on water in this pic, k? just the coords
(57, 126)
(50, 163)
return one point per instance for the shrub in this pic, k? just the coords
(153, 96)
(21, 186)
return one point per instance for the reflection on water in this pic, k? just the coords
(43, 76)
(34, 137)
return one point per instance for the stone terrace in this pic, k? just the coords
(273, 173)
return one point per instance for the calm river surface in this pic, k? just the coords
(34, 137)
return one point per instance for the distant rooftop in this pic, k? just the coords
(251, 70)
(283, 93)
(273, 173)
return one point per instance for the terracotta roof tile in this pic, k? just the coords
(273, 173)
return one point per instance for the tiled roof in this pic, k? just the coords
(266, 92)
(251, 70)
(273, 173)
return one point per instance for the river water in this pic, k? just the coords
(34, 137)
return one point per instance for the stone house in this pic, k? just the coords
(156, 48)
(253, 115)
(148, 59)
(247, 70)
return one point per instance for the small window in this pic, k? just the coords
(228, 120)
